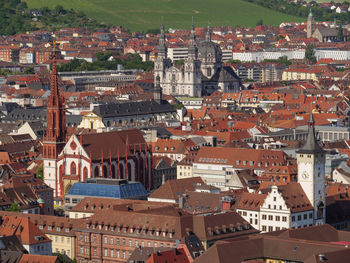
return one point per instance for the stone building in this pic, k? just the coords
(202, 73)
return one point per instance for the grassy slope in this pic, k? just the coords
(140, 15)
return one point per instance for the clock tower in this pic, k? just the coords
(311, 173)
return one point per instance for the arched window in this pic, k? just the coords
(73, 168)
(97, 171)
(121, 171)
(320, 208)
(85, 173)
(105, 173)
(129, 172)
(113, 170)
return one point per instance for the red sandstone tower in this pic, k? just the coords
(55, 137)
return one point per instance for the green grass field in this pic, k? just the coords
(141, 15)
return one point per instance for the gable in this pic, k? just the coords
(74, 147)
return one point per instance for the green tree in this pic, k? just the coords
(260, 22)
(340, 35)
(40, 172)
(14, 207)
(59, 10)
(29, 70)
(179, 62)
(310, 54)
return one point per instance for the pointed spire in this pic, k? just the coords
(311, 145)
(192, 49)
(162, 50)
(310, 13)
(162, 35)
(192, 36)
(208, 34)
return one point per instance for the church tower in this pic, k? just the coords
(162, 62)
(54, 139)
(192, 75)
(311, 173)
(157, 92)
(310, 22)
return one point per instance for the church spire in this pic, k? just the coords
(162, 50)
(192, 49)
(56, 116)
(208, 34)
(309, 27)
(192, 36)
(311, 145)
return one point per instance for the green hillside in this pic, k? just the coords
(141, 15)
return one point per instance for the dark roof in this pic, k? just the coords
(73, 119)
(311, 145)
(327, 32)
(29, 114)
(132, 108)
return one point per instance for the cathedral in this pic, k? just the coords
(66, 160)
(202, 73)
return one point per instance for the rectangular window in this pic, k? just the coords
(284, 218)
(270, 228)
(111, 240)
(278, 218)
(264, 228)
(95, 251)
(106, 252)
(105, 240)
(270, 217)
(293, 218)
(117, 241)
(310, 215)
(264, 217)
(299, 217)
(305, 216)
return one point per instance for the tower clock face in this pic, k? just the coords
(305, 175)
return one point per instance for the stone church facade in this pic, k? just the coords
(202, 73)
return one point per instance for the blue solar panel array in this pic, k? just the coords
(123, 191)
